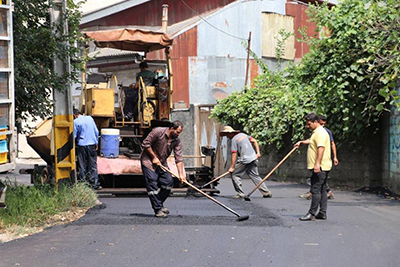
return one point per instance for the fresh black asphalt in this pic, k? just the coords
(361, 230)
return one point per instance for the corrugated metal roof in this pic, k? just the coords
(172, 30)
(110, 52)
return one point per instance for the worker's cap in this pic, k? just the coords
(227, 130)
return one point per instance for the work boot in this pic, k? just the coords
(128, 116)
(330, 195)
(161, 214)
(307, 196)
(267, 194)
(165, 210)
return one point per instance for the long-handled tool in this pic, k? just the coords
(213, 180)
(240, 217)
(247, 197)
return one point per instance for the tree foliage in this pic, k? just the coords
(349, 75)
(35, 48)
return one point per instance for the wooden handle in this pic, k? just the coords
(272, 171)
(215, 179)
(201, 192)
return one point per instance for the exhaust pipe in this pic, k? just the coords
(164, 18)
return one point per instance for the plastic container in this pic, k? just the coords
(3, 129)
(3, 146)
(3, 151)
(3, 157)
(109, 143)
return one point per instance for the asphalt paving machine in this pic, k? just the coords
(104, 100)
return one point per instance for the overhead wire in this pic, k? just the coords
(224, 32)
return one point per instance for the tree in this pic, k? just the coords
(35, 46)
(349, 75)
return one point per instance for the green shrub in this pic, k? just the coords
(33, 205)
(349, 75)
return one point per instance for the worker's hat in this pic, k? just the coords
(227, 130)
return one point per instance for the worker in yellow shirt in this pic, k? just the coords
(319, 162)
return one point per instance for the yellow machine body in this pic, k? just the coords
(100, 101)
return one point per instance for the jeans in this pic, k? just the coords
(130, 103)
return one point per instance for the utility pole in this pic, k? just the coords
(247, 62)
(63, 123)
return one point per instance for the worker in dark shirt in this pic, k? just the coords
(130, 102)
(157, 147)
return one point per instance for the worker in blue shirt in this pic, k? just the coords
(86, 139)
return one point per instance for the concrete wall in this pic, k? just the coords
(386, 154)
(391, 178)
(186, 116)
(358, 167)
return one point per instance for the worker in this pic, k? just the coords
(157, 147)
(131, 101)
(322, 121)
(319, 162)
(86, 139)
(245, 155)
(158, 74)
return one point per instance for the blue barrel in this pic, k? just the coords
(109, 143)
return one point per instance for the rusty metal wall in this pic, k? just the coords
(150, 13)
(181, 80)
(185, 45)
(298, 12)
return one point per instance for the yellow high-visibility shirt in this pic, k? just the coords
(319, 138)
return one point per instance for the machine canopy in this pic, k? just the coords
(130, 39)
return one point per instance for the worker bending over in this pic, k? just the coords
(157, 147)
(244, 160)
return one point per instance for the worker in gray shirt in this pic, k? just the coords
(245, 154)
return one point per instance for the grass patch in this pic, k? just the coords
(36, 206)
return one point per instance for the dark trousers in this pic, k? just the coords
(130, 103)
(87, 164)
(318, 190)
(158, 185)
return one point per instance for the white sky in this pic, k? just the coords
(92, 5)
